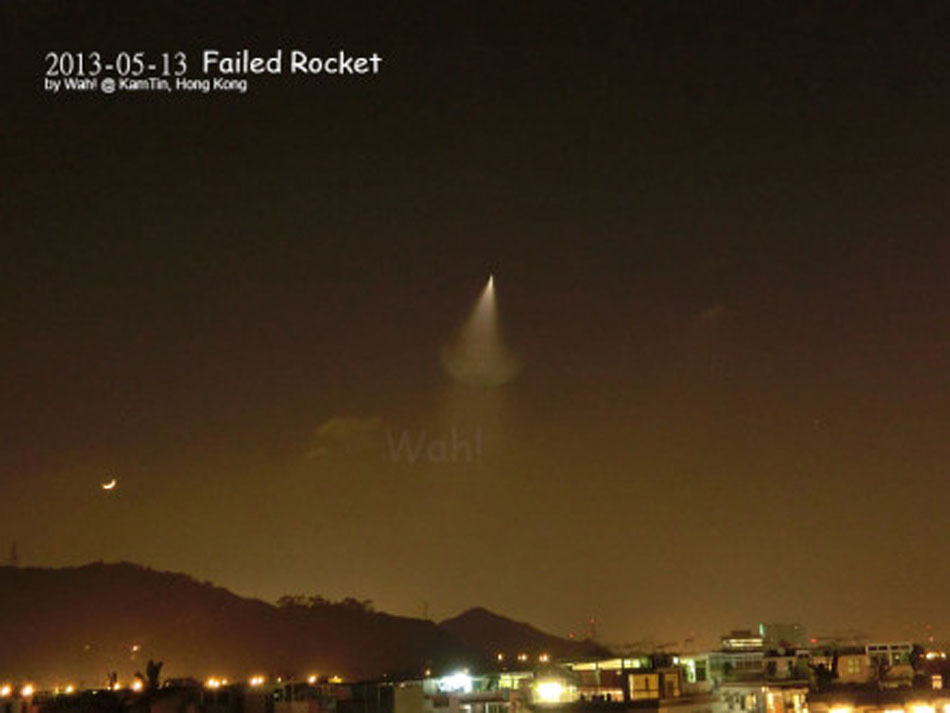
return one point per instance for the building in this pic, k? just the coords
(787, 637)
(871, 700)
(742, 640)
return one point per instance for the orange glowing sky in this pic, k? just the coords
(719, 241)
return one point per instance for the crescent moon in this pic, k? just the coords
(110, 485)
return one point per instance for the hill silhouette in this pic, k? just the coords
(490, 634)
(75, 624)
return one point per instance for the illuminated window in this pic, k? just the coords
(644, 686)
(671, 686)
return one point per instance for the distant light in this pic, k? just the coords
(312, 679)
(456, 682)
(70, 688)
(5, 690)
(549, 691)
(922, 709)
(336, 679)
(256, 681)
(136, 648)
(27, 690)
(501, 657)
(116, 686)
(137, 684)
(428, 672)
(544, 658)
(213, 683)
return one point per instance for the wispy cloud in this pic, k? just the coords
(344, 435)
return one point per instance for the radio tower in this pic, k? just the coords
(14, 555)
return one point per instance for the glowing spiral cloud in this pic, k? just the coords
(478, 355)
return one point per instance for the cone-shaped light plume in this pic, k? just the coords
(478, 355)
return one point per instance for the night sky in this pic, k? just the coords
(719, 239)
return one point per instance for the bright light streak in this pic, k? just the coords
(110, 485)
(478, 354)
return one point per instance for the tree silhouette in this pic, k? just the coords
(153, 669)
(364, 605)
(825, 675)
(881, 667)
